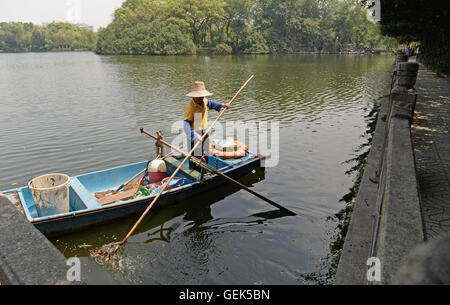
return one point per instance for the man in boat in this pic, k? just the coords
(196, 120)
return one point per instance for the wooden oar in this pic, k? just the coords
(110, 249)
(131, 179)
(211, 169)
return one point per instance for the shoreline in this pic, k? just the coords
(55, 51)
(208, 53)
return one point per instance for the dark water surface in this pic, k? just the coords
(78, 112)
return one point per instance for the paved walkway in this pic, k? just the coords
(430, 133)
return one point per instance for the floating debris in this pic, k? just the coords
(106, 251)
(85, 246)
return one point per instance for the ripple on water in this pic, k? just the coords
(79, 112)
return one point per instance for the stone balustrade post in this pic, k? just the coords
(404, 79)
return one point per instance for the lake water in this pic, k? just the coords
(79, 112)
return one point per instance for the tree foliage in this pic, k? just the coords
(421, 21)
(155, 38)
(180, 26)
(223, 49)
(139, 28)
(23, 37)
(247, 26)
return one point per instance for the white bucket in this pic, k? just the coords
(157, 166)
(157, 171)
(50, 194)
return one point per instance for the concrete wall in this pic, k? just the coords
(386, 222)
(26, 256)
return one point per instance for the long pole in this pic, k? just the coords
(182, 163)
(131, 179)
(211, 169)
(138, 174)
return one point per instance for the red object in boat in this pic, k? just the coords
(175, 182)
(156, 176)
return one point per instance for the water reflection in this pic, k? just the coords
(328, 268)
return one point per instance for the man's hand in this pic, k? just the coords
(227, 105)
(199, 138)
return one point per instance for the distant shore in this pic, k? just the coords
(52, 51)
(210, 52)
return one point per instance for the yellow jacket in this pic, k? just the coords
(197, 114)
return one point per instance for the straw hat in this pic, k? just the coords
(199, 90)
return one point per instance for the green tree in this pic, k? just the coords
(159, 38)
(22, 37)
(14, 37)
(248, 26)
(196, 16)
(253, 42)
(223, 49)
(422, 21)
(39, 39)
(237, 19)
(139, 28)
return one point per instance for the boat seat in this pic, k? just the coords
(188, 173)
(86, 197)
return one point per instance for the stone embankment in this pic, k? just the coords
(26, 256)
(384, 242)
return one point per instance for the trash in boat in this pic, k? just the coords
(175, 182)
(137, 189)
(225, 145)
(144, 191)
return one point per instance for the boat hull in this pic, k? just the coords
(85, 218)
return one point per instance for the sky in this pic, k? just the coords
(92, 12)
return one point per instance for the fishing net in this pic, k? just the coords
(106, 252)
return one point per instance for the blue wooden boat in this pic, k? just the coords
(86, 211)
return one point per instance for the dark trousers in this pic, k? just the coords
(201, 150)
